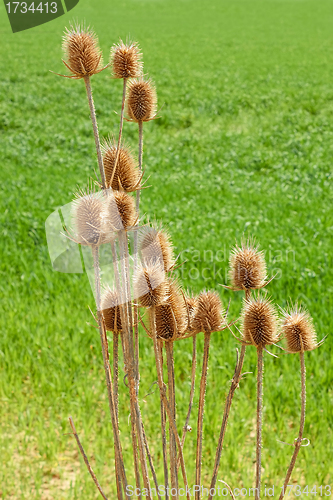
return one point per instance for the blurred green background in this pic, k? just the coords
(244, 146)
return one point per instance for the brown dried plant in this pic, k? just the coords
(107, 217)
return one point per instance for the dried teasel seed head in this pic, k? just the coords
(126, 60)
(150, 286)
(120, 211)
(141, 100)
(171, 316)
(111, 310)
(126, 176)
(88, 218)
(155, 245)
(259, 322)
(297, 327)
(208, 313)
(83, 56)
(247, 267)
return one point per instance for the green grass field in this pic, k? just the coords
(244, 145)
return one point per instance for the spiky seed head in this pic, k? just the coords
(126, 60)
(126, 176)
(259, 322)
(111, 310)
(297, 327)
(120, 211)
(208, 313)
(156, 246)
(88, 218)
(171, 316)
(150, 286)
(247, 267)
(141, 100)
(82, 53)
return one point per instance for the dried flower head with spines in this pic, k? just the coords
(126, 60)
(111, 310)
(150, 286)
(83, 55)
(120, 211)
(126, 176)
(155, 245)
(259, 322)
(208, 314)
(298, 330)
(171, 316)
(141, 100)
(247, 267)
(88, 218)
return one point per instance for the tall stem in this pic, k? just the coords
(165, 399)
(234, 384)
(301, 427)
(163, 432)
(136, 309)
(108, 377)
(95, 129)
(128, 340)
(194, 365)
(172, 399)
(259, 420)
(203, 384)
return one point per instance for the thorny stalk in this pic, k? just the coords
(172, 400)
(234, 385)
(203, 384)
(85, 458)
(95, 129)
(165, 399)
(259, 421)
(130, 370)
(104, 342)
(188, 416)
(299, 439)
(136, 309)
(163, 430)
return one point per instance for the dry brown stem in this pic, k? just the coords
(259, 421)
(299, 439)
(172, 400)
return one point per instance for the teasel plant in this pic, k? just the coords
(300, 335)
(143, 289)
(247, 272)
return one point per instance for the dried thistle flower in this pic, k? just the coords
(149, 285)
(126, 176)
(297, 327)
(247, 267)
(88, 218)
(156, 246)
(141, 100)
(84, 57)
(191, 304)
(111, 310)
(171, 316)
(208, 313)
(120, 211)
(259, 321)
(126, 60)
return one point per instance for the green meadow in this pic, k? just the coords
(243, 147)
